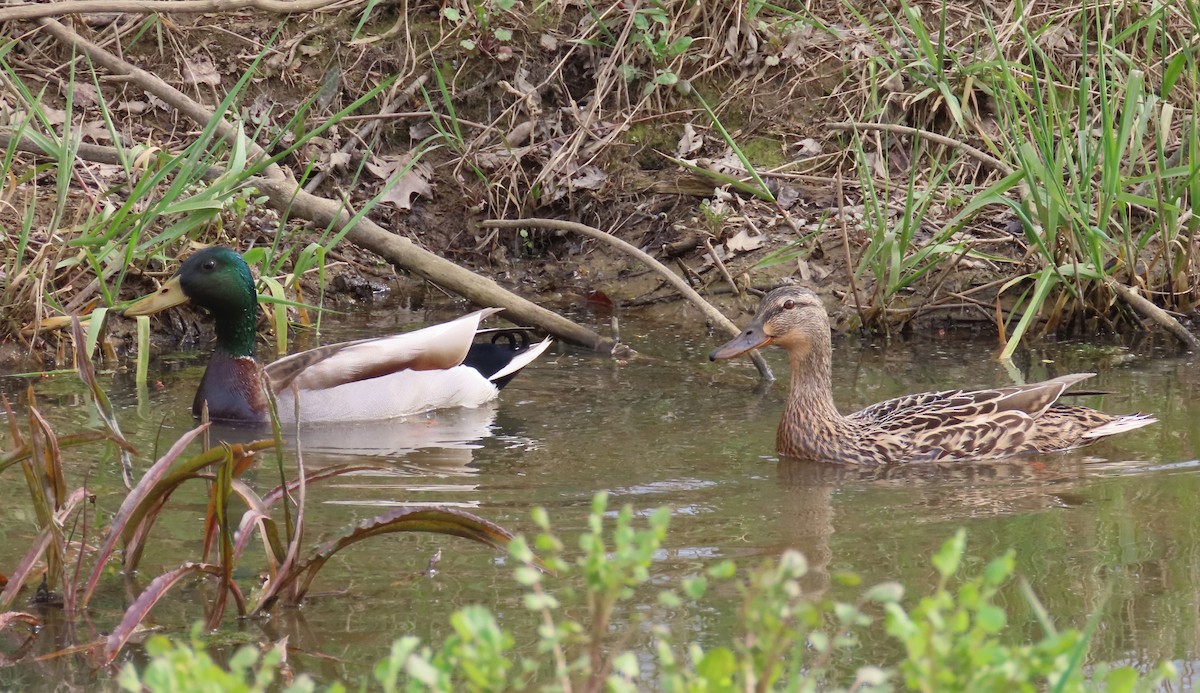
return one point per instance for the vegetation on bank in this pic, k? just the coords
(954, 639)
(1016, 164)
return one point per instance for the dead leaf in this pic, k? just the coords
(743, 242)
(383, 168)
(421, 130)
(808, 147)
(54, 116)
(199, 69)
(494, 159)
(97, 131)
(520, 133)
(689, 142)
(588, 178)
(339, 159)
(408, 184)
(787, 196)
(729, 164)
(85, 95)
(159, 103)
(133, 107)
(548, 42)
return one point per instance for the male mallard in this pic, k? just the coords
(384, 377)
(948, 425)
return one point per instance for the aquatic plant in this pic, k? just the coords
(64, 544)
(956, 638)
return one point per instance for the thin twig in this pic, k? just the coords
(931, 136)
(682, 286)
(369, 127)
(1157, 315)
(841, 203)
(32, 10)
(712, 253)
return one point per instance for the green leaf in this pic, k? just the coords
(695, 587)
(1174, 69)
(540, 518)
(819, 641)
(717, 667)
(1000, 569)
(723, 570)
(885, 592)
(947, 559)
(1122, 680)
(991, 618)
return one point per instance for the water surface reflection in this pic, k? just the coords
(1116, 519)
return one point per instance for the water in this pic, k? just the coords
(675, 430)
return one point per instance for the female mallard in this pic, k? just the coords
(947, 426)
(385, 377)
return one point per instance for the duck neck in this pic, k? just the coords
(812, 384)
(235, 330)
(811, 424)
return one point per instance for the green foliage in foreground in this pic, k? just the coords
(954, 639)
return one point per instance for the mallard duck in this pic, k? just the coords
(385, 377)
(950, 425)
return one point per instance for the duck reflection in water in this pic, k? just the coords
(440, 442)
(932, 494)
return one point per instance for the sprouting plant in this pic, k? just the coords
(481, 17)
(786, 639)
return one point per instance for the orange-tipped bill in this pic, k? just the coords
(170, 295)
(752, 337)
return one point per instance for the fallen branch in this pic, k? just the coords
(1155, 314)
(283, 195)
(30, 10)
(974, 152)
(591, 232)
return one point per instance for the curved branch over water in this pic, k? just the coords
(716, 316)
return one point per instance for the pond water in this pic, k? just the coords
(1113, 527)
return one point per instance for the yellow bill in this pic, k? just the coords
(170, 295)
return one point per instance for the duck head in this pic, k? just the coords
(218, 280)
(791, 317)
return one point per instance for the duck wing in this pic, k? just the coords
(437, 347)
(962, 423)
(926, 410)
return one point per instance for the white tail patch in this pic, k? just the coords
(522, 359)
(1125, 423)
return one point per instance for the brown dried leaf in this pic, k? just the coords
(588, 178)
(408, 183)
(689, 143)
(199, 69)
(743, 242)
(85, 95)
(54, 116)
(520, 133)
(97, 131)
(133, 107)
(339, 159)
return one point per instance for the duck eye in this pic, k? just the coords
(209, 265)
(789, 304)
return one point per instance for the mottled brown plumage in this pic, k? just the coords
(929, 426)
